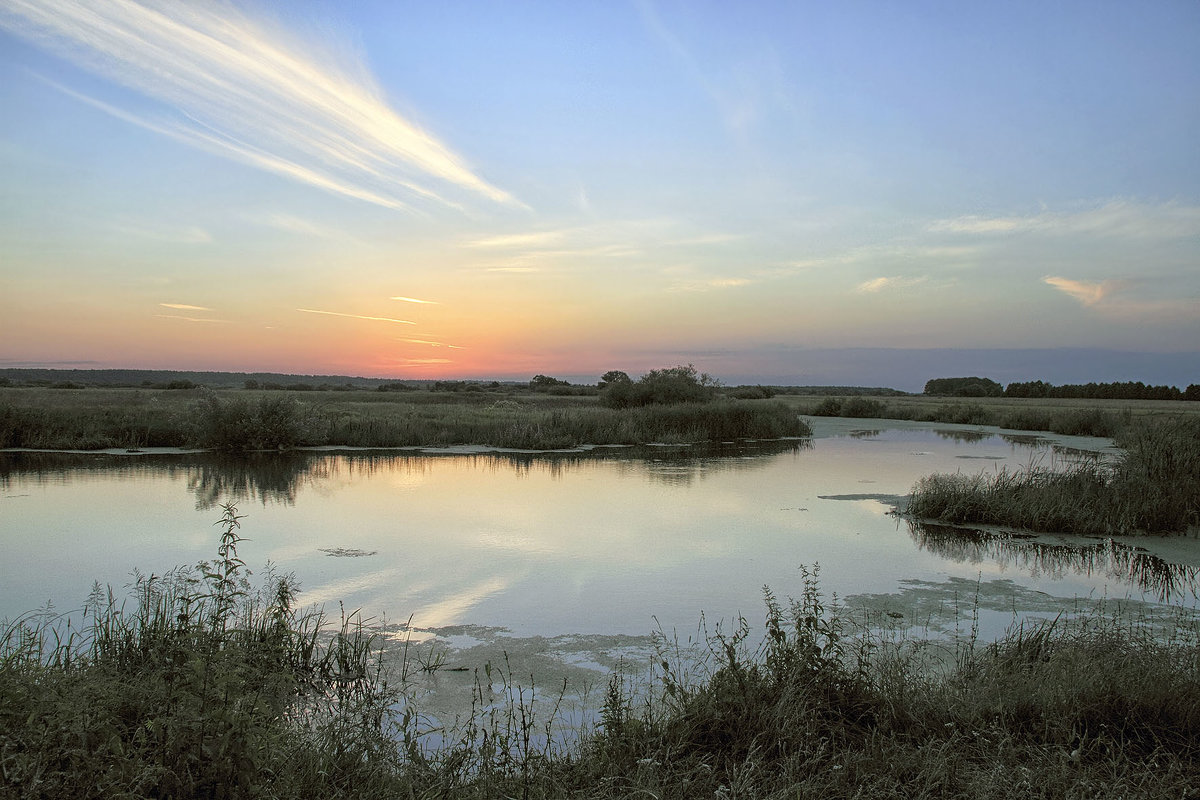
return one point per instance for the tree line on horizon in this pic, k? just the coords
(1120, 390)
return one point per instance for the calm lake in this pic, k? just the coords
(583, 553)
(603, 541)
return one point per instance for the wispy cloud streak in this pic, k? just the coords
(184, 307)
(356, 316)
(246, 89)
(880, 284)
(415, 300)
(1085, 292)
(1115, 219)
(337, 313)
(190, 319)
(431, 343)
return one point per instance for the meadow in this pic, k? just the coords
(201, 684)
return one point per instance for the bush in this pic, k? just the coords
(238, 425)
(661, 387)
(863, 407)
(829, 407)
(751, 392)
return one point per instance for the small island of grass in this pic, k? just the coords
(673, 405)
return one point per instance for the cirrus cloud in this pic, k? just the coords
(239, 85)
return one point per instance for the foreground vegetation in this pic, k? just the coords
(1154, 487)
(209, 687)
(245, 420)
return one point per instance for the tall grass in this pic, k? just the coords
(1153, 487)
(1068, 421)
(516, 425)
(207, 687)
(241, 423)
(81, 424)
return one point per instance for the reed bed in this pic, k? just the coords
(1071, 421)
(208, 687)
(1153, 487)
(253, 421)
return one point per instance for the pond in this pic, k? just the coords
(576, 557)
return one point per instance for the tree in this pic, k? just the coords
(545, 383)
(614, 376)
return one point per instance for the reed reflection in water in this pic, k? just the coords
(1148, 572)
(277, 478)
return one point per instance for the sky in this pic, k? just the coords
(861, 193)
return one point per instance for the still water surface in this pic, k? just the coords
(612, 541)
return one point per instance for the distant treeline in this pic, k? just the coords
(177, 379)
(174, 379)
(1127, 390)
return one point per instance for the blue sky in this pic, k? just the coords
(573, 188)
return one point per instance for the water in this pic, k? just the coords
(615, 541)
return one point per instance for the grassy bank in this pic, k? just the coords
(1074, 417)
(211, 687)
(1153, 487)
(247, 420)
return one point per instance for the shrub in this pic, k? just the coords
(829, 407)
(661, 387)
(863, 407)
(238, 425)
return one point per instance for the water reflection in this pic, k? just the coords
(277, 478)
(964, 435)
(264, 478)
(1150, 573)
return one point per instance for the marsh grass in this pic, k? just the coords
(206, 687)
(1154, 487)
(90, 419)
(1068, 416)
(241, 422)
(1067, 421)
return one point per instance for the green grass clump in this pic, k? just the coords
(207, 688)
(1154, 487)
